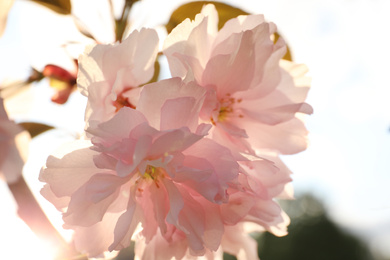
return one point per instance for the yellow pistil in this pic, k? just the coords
(150, 172)
(226, 108)
(153, 173)
(224, 112)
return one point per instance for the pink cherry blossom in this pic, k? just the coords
(252, 95)
(186, 191)
(253, 200)
(251, 207)
(237, 241)
(141, 169)
(13, 147)
(175, 165)
(110, 75)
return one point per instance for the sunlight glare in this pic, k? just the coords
(21, 242)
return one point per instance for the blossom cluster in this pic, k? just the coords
(186, 166)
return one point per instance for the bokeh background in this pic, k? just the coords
(341, 181)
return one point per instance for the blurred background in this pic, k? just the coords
(341, 181)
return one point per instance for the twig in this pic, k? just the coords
(121, 23)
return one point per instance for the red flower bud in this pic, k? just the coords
(62, 80)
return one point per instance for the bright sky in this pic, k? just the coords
(345, 45)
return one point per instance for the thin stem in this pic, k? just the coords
(14, 88)
(121, 23)
(112, 9)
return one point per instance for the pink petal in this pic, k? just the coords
(130, 159)
(153, 103)
(120, 125)
(234, 144)
(179, 112)
(269, 215)
(237, 25)
(288, 138)
(173, 141)
(160, 205)
(201, 41)
(224, 165)
(160, 249)
(236, 242)
(237, 208)
(69, 168)
(139, 46)
(126, 225)
(198, 174)
(175, 201)
(214, 228)
(96, 239)
(234, 72)
(146, 196)
(90, 63)
(192, 222)
(60, 203)
(90, 202)
(199, 32)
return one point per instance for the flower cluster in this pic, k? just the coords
(185, 166)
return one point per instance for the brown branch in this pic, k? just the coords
(121, 23)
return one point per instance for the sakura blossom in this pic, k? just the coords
(13, 149)
(250, 208)
(253, 95)
(163, 178)
(188, 166)
(110, 75)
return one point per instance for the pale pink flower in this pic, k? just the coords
(161, 165)
(110, 75)
(252, 95)
(160, 248)
(13, 147)
(251, 207)
(148, 169)
(238, 242)
(253, 201)
(67, 170)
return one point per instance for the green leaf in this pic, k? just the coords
(59, 6)
(35, 128)
(190, 10)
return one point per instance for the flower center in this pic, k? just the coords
(226, 108)
(150, 172)
(121, 101)
(153, 173)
